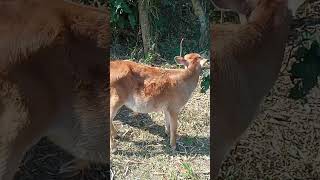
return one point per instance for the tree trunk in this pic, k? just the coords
(204, 28)
(144, 25)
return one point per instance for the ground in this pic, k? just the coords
(143, 147)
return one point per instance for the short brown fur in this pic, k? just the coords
(53, 79)
(247, 59)
(147, 89)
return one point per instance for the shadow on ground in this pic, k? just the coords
(186, 145)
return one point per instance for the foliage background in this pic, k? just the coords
(171, 20)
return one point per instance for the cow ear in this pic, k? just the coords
(181, 60)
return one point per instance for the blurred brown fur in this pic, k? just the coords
(53, 79)
(247, 59)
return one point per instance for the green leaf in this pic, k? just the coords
(306, 71)
(205, 83)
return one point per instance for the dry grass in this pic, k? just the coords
(143, 147)
(284, 140)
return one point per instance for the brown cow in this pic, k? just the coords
(146, 89)
(247, 59)
(53, 79)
